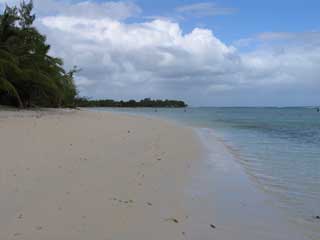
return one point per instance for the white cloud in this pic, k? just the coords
(87, 9)
(93, 10)
(153, 54)
(204, 9)
(298, 36)
(156, 58)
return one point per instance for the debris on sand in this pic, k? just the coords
(213, 226)
(172, 220)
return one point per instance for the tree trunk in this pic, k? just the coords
(20, 103)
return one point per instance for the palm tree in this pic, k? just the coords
(27, 72)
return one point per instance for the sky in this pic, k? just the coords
(207, 53)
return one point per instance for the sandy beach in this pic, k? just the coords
(83, 175)
(159, 120)
(70, 174)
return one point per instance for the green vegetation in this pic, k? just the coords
(147, 102)
(28, 75)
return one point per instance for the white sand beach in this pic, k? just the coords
(83, 175)
(159, 120)
(69, 174)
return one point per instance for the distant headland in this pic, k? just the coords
(147, 102)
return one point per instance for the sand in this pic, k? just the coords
(84, 175)
(70, 174)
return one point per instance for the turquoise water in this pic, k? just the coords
(278, 147)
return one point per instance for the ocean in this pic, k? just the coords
(278, 148)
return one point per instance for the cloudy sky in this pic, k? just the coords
(220, 53)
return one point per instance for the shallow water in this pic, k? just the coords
(279, 148)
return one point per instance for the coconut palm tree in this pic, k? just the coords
(29, 76)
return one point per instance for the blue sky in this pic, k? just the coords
(250, 17)
(220, 53)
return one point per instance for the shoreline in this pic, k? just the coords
(195, 191)
(307, 226)
(280, 224)
(307, 223)
(239, 202)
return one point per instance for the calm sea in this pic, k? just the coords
(278, 147)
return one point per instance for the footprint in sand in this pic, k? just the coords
(17, 234)
(122, 201)
(39, 228)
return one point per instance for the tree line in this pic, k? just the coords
(29, 76)
(147, 102)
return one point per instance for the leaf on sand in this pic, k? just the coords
(172, 220)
